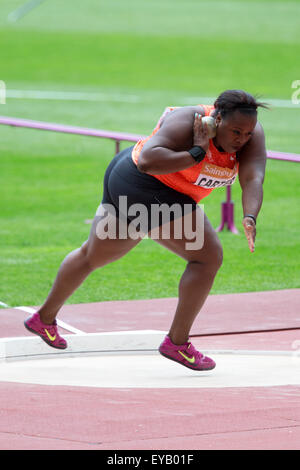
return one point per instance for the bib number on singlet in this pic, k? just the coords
(213, 176)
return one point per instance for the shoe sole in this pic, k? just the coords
(189, 367)
(42, 337)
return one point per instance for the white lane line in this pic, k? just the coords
(124, 98)
(23, 10)
(60, 323)
(70, 96)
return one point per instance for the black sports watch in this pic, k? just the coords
(198, 153)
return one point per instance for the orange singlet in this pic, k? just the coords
(218, 169)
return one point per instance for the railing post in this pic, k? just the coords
(227, 213)
(117, 146)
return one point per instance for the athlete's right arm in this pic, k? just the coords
(167, 150)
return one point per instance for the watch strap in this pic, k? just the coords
(197, 152)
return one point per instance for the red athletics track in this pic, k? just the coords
(91, 418)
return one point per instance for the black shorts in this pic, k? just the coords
(127, 191)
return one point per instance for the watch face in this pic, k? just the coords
(197, 153)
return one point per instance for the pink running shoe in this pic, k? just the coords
(48, 333)
(186, 354)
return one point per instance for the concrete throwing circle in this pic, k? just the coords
(154, 371)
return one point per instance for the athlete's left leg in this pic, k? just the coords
(203, 262)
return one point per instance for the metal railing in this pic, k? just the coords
(227, 207)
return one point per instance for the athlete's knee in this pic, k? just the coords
(96, 256)
(211, 258)
(215, 258)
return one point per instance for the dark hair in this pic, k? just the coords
(237, 100)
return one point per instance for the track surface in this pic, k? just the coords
(137, 402)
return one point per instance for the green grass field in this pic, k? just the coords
(138, 57)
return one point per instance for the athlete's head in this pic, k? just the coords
(236, 118)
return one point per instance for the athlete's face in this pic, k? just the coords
(234, 130)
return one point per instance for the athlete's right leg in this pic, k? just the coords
(96, 252)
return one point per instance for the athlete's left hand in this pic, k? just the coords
(250, 232)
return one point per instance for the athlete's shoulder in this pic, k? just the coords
(198, 108)
(255, 148)
(258, 136)
(181, 114)
(259, 130)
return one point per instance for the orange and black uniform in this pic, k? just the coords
(186, 187)
(216, 170)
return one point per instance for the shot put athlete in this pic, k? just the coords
(178, 164)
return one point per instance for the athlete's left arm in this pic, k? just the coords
(252, 164)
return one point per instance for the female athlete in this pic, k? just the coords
(165, 175)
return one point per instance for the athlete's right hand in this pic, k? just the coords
(200, 133)
(250, 232)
